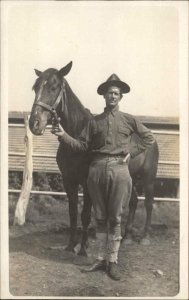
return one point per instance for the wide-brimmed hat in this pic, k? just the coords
(113, 80)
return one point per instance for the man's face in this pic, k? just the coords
(112, 96)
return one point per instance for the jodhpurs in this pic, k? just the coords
(109, 185)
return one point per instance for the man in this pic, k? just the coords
(107, 138)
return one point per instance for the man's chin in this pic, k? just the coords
(112, 104)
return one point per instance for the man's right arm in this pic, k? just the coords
(77, 145)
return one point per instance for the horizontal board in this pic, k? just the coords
(48, 144)
(41, 164)
(168, 144)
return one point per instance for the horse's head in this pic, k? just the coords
(48, 90)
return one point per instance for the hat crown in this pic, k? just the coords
(113, 77)
(113, 80)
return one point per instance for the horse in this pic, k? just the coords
(55, 100)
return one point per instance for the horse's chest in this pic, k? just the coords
(73, 165)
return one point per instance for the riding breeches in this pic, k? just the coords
(109, 185)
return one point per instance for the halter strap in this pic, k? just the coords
(52, 108)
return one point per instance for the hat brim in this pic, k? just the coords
(102, 89)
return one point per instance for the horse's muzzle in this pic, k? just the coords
(36, 127)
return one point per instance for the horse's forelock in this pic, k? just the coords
(44, 76)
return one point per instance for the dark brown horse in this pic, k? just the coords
(54, 98)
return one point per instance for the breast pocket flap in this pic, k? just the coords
(124, 131)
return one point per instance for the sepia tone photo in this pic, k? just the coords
(94, 156)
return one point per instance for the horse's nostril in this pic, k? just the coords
(36, 124)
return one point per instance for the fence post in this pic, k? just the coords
(23, 200)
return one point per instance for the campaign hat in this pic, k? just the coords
(113, 80)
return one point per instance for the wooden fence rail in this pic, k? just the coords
(51, 193)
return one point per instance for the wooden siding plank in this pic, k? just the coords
(48, 143)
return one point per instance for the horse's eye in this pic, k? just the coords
(54, 87)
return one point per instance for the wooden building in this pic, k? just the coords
(166, 131)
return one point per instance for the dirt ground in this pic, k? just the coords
(39, 266)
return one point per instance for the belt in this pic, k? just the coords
(99, 156)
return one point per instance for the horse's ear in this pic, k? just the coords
(65, 70)
(37, 72)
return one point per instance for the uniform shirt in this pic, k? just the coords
(110, 134)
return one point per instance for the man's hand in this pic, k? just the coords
(58, 130)
(125, 160)
(127, 157)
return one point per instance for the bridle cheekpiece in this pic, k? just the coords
(52, 109)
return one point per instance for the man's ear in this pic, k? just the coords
(37, 72)
(121, 96)
(65, 70)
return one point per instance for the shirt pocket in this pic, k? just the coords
(123, 135)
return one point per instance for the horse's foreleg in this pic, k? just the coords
(72, 193)
(132, 209)
(149, 193)
(85, 219)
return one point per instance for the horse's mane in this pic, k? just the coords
(74, 115)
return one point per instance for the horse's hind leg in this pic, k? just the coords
(85, 219)
(132, 209)
(72, 193)
(149, 193)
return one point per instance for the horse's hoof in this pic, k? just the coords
(81, 260)
(145, 242)
(82, 252)
(70, 248)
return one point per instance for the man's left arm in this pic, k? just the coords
(146, 137)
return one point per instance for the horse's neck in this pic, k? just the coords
(74, 116)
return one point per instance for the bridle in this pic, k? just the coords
(52, 109)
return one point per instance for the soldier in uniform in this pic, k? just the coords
(107, 138)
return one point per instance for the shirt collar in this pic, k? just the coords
(112, 111)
